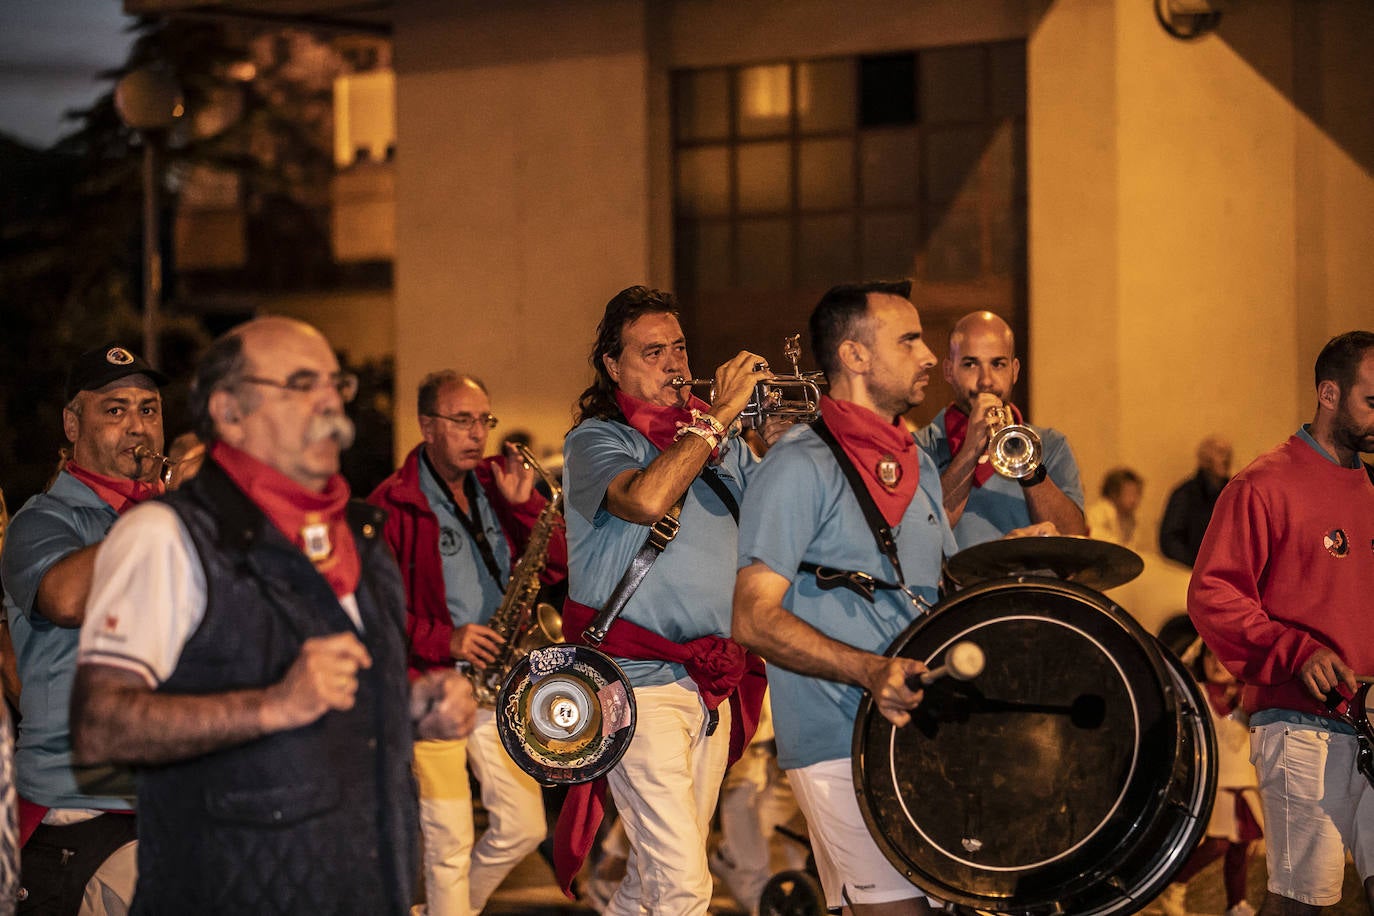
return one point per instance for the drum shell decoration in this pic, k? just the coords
(578, 677)
(1074, 775)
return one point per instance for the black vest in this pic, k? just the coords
(320, 819)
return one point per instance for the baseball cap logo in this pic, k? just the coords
(118, 356)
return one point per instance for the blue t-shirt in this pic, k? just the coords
(470, 591)
(800, 508)
(51, 526)
(687, 592)
(999, 506)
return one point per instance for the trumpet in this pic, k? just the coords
(795, 397)
(165, 475)
(1014, 449)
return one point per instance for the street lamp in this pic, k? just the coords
(149, 101)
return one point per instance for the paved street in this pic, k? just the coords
(530, 892)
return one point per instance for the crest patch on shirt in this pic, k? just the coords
(888, 471)
(315, 542)
(449, 544)
(1336, 543)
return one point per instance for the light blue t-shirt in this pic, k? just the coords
(999, 506)
(687, 592)
(51, 526)
(799, 508)
(470, 591)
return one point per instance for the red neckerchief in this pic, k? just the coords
(293, 509)
(120, 492)
(659, 424)
(868, 439)
(956, 428)
(721, 668)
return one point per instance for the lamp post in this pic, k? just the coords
(149, 101)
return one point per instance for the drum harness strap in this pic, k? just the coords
(865, 585)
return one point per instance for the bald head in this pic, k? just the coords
(982, 359)
(1214, 458)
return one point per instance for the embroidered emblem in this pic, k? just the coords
(118, 356)
(448, 542)
(889, 472)
(1336, 543)
(315, 542)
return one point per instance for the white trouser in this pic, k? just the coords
(665, 788)
(458, 876)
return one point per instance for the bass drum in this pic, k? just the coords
(1074, 775)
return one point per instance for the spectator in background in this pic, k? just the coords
(1112, 518)
(1190, 505)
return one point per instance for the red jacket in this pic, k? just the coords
(412, 530)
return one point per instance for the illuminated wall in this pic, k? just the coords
(1200, 212)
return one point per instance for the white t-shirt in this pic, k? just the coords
(148, 595)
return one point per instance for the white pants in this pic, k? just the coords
(458, 876)
(665, 788)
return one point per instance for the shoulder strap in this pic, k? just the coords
(718, 486)
(882, 534)
(660, 536)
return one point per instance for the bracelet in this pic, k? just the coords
(1037, 477)
(710, 438)
(709, 422)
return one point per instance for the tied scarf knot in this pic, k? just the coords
(716, 665)
(121, 493)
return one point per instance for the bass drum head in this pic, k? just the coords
(565, 714)
(1073, 775)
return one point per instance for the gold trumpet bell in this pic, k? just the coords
(1015, 451)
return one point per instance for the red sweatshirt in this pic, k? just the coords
(1286, 567)
(412, 530)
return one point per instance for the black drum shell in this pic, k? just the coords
(1074, 775)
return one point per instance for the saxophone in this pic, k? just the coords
(523, 625)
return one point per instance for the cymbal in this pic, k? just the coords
(1096, 564)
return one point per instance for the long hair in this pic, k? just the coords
(598, 401)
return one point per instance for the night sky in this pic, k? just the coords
(50, 54)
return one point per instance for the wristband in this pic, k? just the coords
(705, 419)
(1035, 478)
(710, 438)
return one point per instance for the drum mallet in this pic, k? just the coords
(963, 662)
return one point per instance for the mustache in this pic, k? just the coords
(331, 426)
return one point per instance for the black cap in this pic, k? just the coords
(96, 368)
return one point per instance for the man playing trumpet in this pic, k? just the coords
(642, 446)
(982, 504)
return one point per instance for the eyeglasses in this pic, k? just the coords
(346, 383)
(465, 421)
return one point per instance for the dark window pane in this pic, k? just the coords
(1008, 96)
(887, 90)
(887, 167)
(952, 155)
(827, 174)
(703, 256)
(826, 255)
(703, 181)
(889, 245)
(765, 254)
(1000, 163)
(765, 177)
(701, 104)
(764, 100)
(1008, 241)
(825, 95)
(954, 247)
(952, 85)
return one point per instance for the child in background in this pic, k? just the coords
(1236, 820)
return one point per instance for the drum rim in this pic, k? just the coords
(1166, 670)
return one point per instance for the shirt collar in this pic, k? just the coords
(1306, 436)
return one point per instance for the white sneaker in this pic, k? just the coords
(1241, 909)
(1173, 901)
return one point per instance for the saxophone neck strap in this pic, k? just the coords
(472, 523)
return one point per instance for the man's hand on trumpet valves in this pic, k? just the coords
(978, 422)
(735, 381)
